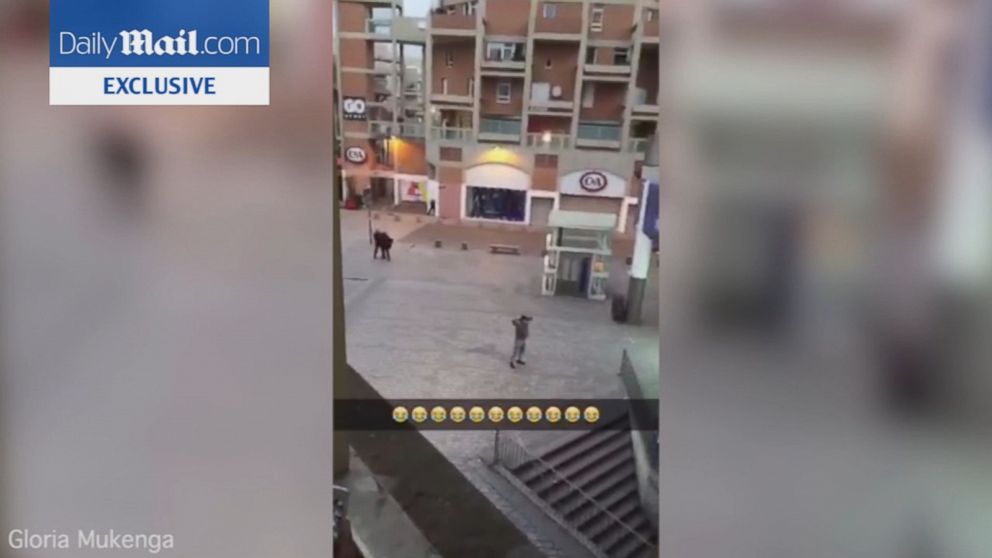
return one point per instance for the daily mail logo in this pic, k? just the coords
(159, 52)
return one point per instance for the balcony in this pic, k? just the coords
(599, 135)
(553, 107)
(453, 24)
(411, 30)
(607, 69)
(492, 129)
(549, 142)
(413, 130)
(448, 99)
(379, 27)
(515, 65)
(459, 135)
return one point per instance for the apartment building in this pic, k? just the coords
(529, 106)
(380, 100)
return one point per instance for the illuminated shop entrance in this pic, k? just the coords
(497, 204)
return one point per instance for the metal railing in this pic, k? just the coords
(452, 134)
(411, 129)
(599, 132)
(504, 127)
(510, 454)
(644, 424)
(559, 142)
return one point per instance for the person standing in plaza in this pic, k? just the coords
(521, 328)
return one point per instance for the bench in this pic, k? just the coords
(504, 249)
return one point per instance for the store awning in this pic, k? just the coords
(582, 220)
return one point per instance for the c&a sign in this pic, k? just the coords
(594, 182)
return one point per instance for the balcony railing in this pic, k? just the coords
(452, 21)
(411, 129)
(554, 142)
(500, 127)
(452, 134)
(379, 26)
(599, 132)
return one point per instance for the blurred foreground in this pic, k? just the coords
(826, 279)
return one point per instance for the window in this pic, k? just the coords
(503, 52)
(546, 161)
(471, 87)
(451, 154)
(651, 14)
(550, 10)
(591, 55)
(449, 58)
(588, 95)
(503, 92)
(596, 21)
(444, 86)
(621, 56)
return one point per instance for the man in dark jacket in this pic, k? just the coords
(521, 328)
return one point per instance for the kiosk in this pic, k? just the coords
(578, 254)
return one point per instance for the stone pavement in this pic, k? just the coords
(435, 323)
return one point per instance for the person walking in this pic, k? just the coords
(387, 245)
(521, 328)
(377, 243)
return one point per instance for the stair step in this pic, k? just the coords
(591, 439)
(601, 522)
(616, 542)
(573, 469)
(615, 499)
(565, 452)
(632, 547)
(594, 483)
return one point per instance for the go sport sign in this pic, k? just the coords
(159, 52)
(354, 108)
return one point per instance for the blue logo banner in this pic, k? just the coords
(159, 52)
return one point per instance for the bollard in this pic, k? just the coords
(397, 218)
(464, 245)
(437, 243)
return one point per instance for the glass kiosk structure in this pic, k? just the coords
(577, 254)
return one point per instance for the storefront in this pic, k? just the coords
(496, 192)
(578, 254)
(597, 191)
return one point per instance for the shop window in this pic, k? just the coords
(545, 161)
(451, 154)
(498, 204)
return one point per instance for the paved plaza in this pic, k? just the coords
(435, 323)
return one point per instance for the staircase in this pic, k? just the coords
(590, 483)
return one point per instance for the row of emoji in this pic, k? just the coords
(495, 414)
